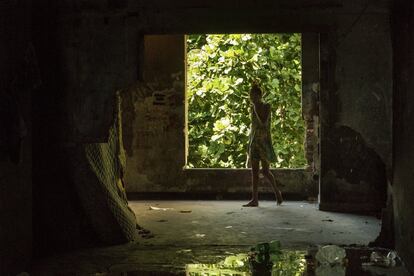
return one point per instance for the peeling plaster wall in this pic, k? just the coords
(364, 80)
(403, 178)
(88, 49)
(355, 90)
(100, 49)
(154, 132)
(356, 112)
(153, 121)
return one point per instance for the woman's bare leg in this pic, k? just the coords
(255, 182)
(272, 180)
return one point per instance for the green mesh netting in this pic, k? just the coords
(103, 195)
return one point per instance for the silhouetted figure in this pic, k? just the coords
(260, 145)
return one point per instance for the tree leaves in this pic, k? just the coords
(220, 71)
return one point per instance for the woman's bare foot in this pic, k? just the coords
(279, 197)
(252, 203)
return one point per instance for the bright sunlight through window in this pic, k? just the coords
(220, 69)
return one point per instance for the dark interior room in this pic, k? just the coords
(207, 137)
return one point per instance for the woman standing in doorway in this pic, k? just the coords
(260, 145)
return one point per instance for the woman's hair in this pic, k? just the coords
(255, 89)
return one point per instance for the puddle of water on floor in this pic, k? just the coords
(286, 263)
(295, 263)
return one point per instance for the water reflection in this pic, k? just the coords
(295, 263)
(271, 261)
(286, 263)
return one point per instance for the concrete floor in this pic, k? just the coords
(208, 231)
(295, 224)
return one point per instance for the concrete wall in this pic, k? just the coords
(154, 125)
(59, 222)
(17, 81)
(403, 178)
(84, 58)
(154, 116)
(356, 104)
(89, 49)
(356, 90)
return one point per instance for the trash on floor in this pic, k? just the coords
(200, 235)
(335, 260)
(331, 261)
(381, 259)
(159, 209)
(144, 233)
(331, 255)
(184, 251)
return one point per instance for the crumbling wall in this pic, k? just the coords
(87, 50)
(403, 174)
(310, 99)
(355, 177)
(355, 111)
(355, 89)
(153, 117)
(154, 126)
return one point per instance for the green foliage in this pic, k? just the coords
(220, 71)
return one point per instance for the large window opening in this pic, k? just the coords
(220, 70)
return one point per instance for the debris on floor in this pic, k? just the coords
(296, 227)
(159, 209)
(264, 259)
(185, 211)
(184, 251)
(381, 259)
(331, 260)
(331, 255)
(144, 233)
